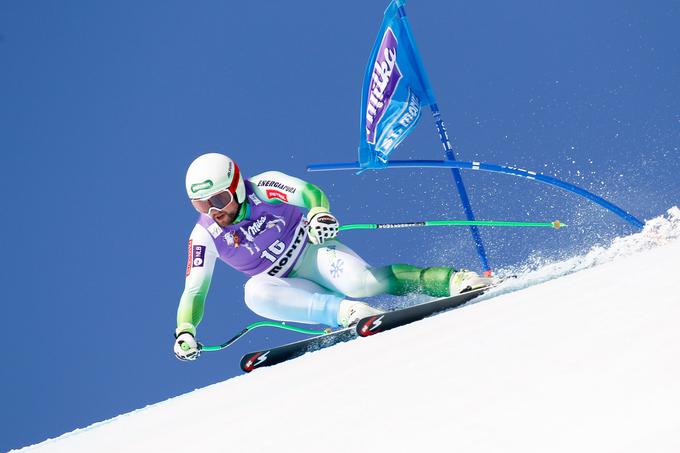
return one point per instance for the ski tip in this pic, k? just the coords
(251, 361)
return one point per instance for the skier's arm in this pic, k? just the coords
(277, 187)
(201, 262)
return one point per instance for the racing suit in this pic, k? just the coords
(291, 279)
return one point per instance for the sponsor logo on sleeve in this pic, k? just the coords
(276, 185)
(273, 193)
(189, 260)
(198, 257)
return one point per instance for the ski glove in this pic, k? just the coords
(321, 225)
(186, 347)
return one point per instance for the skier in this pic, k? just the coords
(298, 270)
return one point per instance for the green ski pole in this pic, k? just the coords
(373, 226)
(255, 325)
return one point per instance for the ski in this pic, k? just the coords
(365, 327)
(278, 354)
(379, 323)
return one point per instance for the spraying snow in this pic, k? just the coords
(658, 231)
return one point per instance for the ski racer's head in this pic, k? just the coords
(215, 187)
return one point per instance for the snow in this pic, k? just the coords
(580, 355)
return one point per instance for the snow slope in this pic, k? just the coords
(588, 362)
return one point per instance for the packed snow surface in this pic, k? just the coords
(579, 356)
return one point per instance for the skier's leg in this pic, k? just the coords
(403, 279)
(339, 268)
(292, 299)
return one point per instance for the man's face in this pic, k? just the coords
(225, 216)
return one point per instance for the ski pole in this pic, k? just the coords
(255, 325)
(372, 226)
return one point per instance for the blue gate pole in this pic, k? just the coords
(444, 139)
(450, 155)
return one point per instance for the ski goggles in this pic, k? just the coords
(218, 201)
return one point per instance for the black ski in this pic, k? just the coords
(386, 321)
(365, 327)
(278, 354)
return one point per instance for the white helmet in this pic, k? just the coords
(212, 173)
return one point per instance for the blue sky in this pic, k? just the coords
(104, 104)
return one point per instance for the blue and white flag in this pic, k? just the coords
(395, 90)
